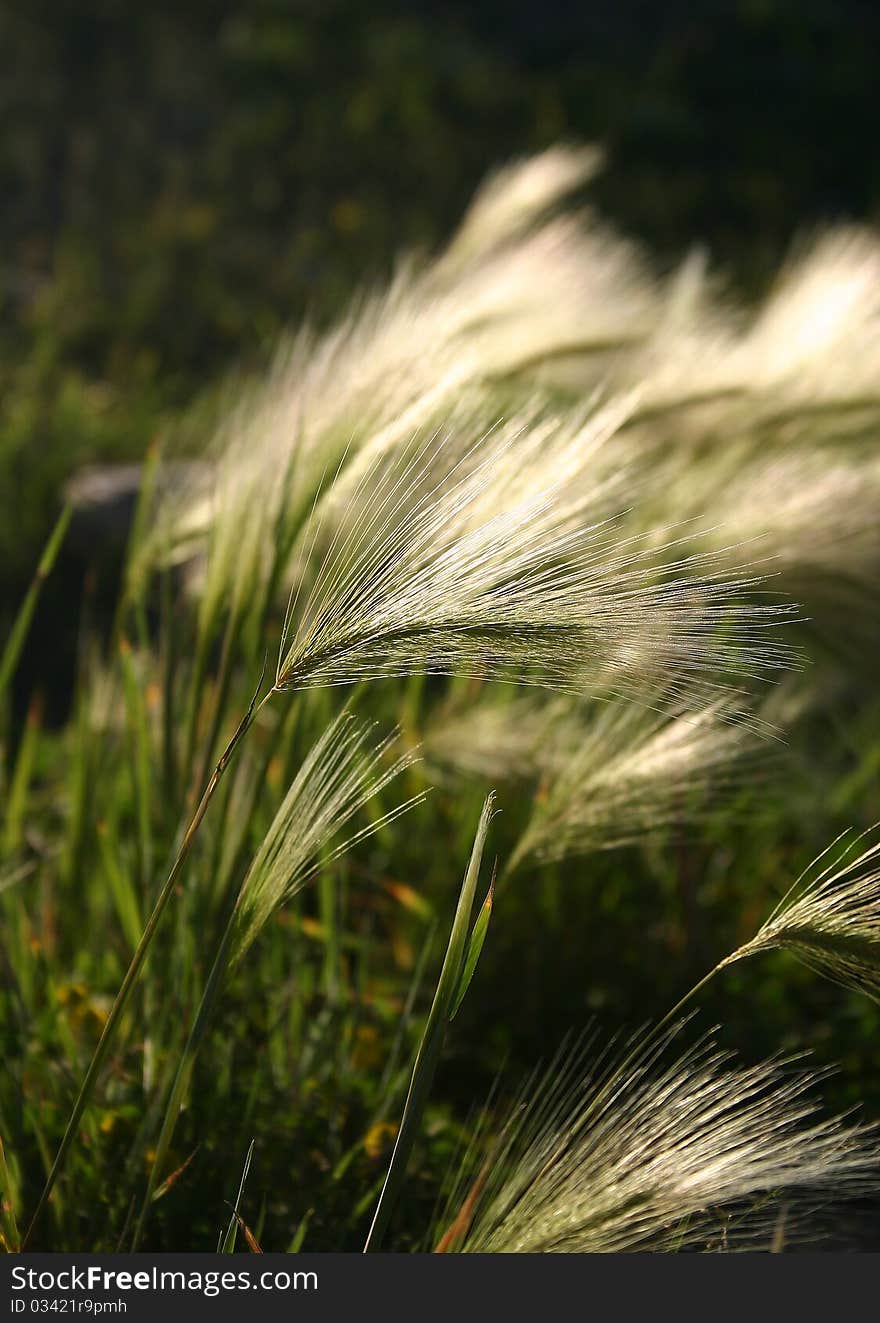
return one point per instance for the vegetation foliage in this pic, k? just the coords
(534, 520)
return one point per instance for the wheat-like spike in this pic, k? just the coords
(818, 335)
(607, 775)
(830, 918)
(516, 196)
(499, 738)
(803, 366)
(519, 294)
(512, 291)
(339, 776)
(634, 1154)
(811, 509)
(480, 561)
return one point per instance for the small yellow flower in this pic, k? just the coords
(379, 1138)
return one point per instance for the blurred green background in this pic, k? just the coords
(180, 181)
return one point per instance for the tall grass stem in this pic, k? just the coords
(137, 960)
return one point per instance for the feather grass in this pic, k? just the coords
(605, 1155)
(342, 773)
(830, 918)
(454, 561)
(513, 288)
(631, 772)
(462, 954)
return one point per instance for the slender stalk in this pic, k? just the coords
(222, 688)
(137, 960)
(184, 1071)
(169, 661)
(428, 1053)
(230, 943)
(688, 996)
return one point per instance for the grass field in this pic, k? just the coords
(533, 521)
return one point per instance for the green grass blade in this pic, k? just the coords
(184, 1074)
(22, 622)
(110, 1025)
(228, 1245)
(17, 799)
(8, 1201)
(475, 946)
(139, 734)
(431, 1043)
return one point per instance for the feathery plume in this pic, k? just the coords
(830, 918)
(809, 355)
(516, 196)
(809, 511)
(499, 738)
(482, 562)
(638, 1155)
(607, 775)
(513, 290)
(340, 775)
(812, 511)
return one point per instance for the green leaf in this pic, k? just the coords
(428, 1052)
(8, 1201)
(475, 946)
(21, 625)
